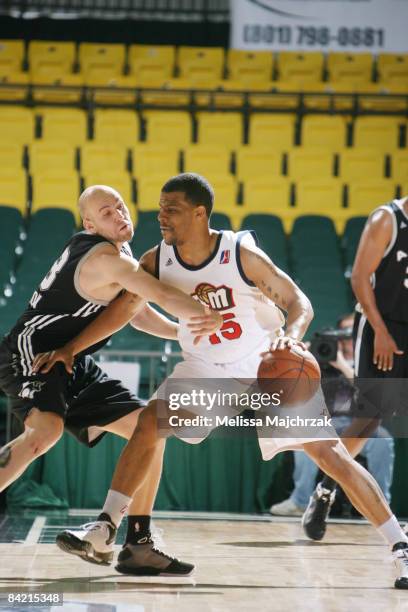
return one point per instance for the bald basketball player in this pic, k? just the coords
(95, 267)
(237, 276)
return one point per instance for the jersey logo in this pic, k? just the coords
(217, 298)
(169, 262)
(28, 389)
(225, 257)
(403, 225)
(401, 255)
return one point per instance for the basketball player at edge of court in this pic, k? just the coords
(380, 284)
(189, 255)
(94, 268)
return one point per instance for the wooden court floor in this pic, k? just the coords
(242, 563)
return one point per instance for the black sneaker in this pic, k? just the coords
(92, 542)
(400, 556)
(316, 514)
(147, 560)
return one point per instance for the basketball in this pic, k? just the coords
(292, 372)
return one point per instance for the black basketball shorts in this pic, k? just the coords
(86, 399)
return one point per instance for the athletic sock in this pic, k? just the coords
(391, 532)
(328, 483)
(138, 529)
(116, 505)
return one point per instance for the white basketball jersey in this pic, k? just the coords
(220, 282)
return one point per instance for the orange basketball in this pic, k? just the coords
(292, 372)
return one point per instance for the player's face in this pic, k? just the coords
(177, 216)
(110, 218)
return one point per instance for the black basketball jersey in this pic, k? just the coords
(390, 280)
(58, 309)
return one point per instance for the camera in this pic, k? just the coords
(325, 342)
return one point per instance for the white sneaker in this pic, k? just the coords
(91, 542)
(286, 508)
(400, 556)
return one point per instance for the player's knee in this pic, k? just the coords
(46, 432)
(146, 428)
(335, 460)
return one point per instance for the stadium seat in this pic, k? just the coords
(17, 87)
(221, 221)
(324, 131)
(351, 238)
(147, 232)
(296, 66)
(359, 163)
(274, 131)
(350, 68)
(365, 195)
(268, 195)
(148, 158)
(201, 63)
(206, 160)
(306, 163)
(120, 127)
(221, 129)
(271, 235)
(148, 191)
(11, 222)
(250, 66)
(171, 128)
(151, 64)
(11, 56)
(64, 125)
(225, 197)
(377, 132)
(11, 156)
(399, 166)
(46, 157)
(13, 188)
(58, 88)
(321, 197)
(392, 68)
(56, 191)
(97, 157)
(50, 58)
(16, 125)
(98, 60)
(119, 180)
(257, 161)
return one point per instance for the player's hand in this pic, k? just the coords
(384, 350)
(205, 325)
(43, 362)
(283, 342)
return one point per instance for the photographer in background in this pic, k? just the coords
(338, 390)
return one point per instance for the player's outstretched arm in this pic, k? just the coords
(154, 323)
(373, 244)
(280, 288)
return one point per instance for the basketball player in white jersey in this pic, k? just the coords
(235, 276)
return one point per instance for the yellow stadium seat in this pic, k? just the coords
(201, 62)
(256, 161)
(65, 125)
(11, 156)
(17, 87)
(271, 130)
(399, 166)
(250, 66)
(225, 196)
(169, 128)
(392, 68)
(101, 59)
(297, 66)
(365, 195)
(350, 67)
(359, 163)
(147, 159)
(120, 127)
(11, 56)
(324, 131)
(16, 124)
(121, 181)
(222, 129)
(13, 188)
(378, 132)
(152, 63)
(50, 58)
(56, 191)
(96, 157)
(268, 195)
(63, 89)
(321, 197)
(206, 160)
(304, 163)
(148, 191)
(46, 157)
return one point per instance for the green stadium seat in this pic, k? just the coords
(351, 238)
(271, 236)
(10, 225)
(220, 221)
(147, 233)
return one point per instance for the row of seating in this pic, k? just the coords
(176, 128)
(247, 162)
(155, 63)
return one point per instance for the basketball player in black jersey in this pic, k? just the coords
(185, 206)
(380, 284)
(94, 268)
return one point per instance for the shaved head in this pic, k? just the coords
(104, 212)
(95, 193)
